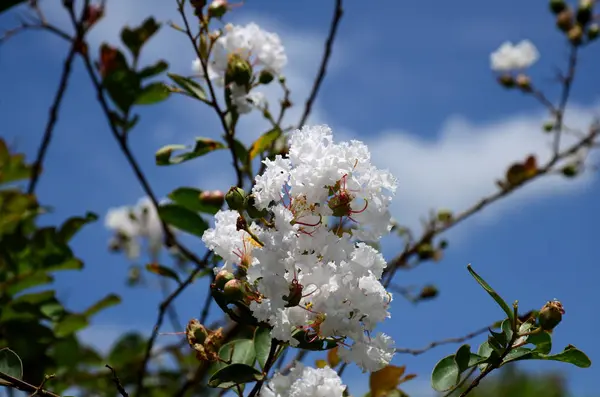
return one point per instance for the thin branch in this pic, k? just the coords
(19, 384)
(462, 382)
(117, 382)
(268, 364)
(416, 352)
(567, 83)
(337, 16)
(53, 117)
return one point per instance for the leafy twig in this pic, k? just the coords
(337, 16)
(19, 384)
(117, 382)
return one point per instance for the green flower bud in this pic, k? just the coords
(265, 77)
(570, 170)
(557, 6)
(593, 32)
(549, 126)
(235, 198)
(425, 251)
(254, 212)
(575, 35)
(551, 315)
(234, 290)
(523, 82)
(564, 20)
(506, 80)
(238, 71)
(584, 12)
(444, 216)
(222, 278)
(217, 8)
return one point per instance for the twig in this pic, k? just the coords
(19, 384)
(567, 83)
(268, 364)
(117, 382)
(416, 352)
(462, 382)
(337, 16)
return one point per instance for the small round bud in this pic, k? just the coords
(217, 8)
(239, 71)
(523, 82)
(575, 35)
(222, 278)
(564, 20)
(506, 81)
(254, 212)
(234, 290)
(265, 77)
(428, 292)
(584, 12)
(593, 32)
(549, 126)
(551, 315)
(235, 198)
(444, 216)
(425, 251)
(443, 244)
(557, 6)
(570, 170)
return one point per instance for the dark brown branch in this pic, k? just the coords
(271, 358)
(416, 352)
(19, 384)
(117, 382)
(337, 16)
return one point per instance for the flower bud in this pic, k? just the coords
(551, 315)
(444, 216)
(523, 82)
(593, 31)
(239, 71)
(195, 332)
(235, 198)
(506, 80)
(254, 212)
(222, 278)
(428, 292)
(584, 12)
(575, 35)
(217, 8)
(564, 20)
(570, 170)
(549, 126)
(425, 251)
(213, 197)
(234, 290)
(557, 6)
(265, 77)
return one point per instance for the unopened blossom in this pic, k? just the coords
(305, 382)
(509, 57)
(310, 274)
(132, 224)
(245, 101)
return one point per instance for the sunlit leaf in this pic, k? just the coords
(509, 312)
(102, 304)
(234, 374)
(163, 271)
(264, 142)
(189, 86)
(183, 219)
(164, 156)
(152, 93)
(385, 380)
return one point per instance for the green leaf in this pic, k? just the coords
(191, 199)
(128, 349)
(264, 142)
(123, 86)
(74, 224)
(240, 351)
(542, 342)
(16, 285)
(189, 86)
(163, 271)
(182, 219)
(507, 309)
(234, 374)
(202, 147)
(570, 355)
(462, 359)
(518, 353)
(135, 38)
(262, 345)
(241, 152)
(102, 304)
(152, 93)
(70, 324)
(153, 70)
(10, 363)
(445, 374)
(317, 345)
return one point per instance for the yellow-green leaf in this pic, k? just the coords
(264, 142)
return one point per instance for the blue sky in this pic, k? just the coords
(410, 80)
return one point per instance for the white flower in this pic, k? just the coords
(510, 57)
(371, 354)
(305, 382)
(245, 101)
(307, 274)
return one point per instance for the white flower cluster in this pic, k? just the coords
(310, 267)
(250, 43)
(134, 224)
(305, 382)
(509, 57)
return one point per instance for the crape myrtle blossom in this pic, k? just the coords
(305, 382)
(309, 265)
(245, 45)
(132, 224)
(510, 57)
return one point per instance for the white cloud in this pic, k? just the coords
(461, 164)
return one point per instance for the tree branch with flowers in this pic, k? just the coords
(293, 257)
